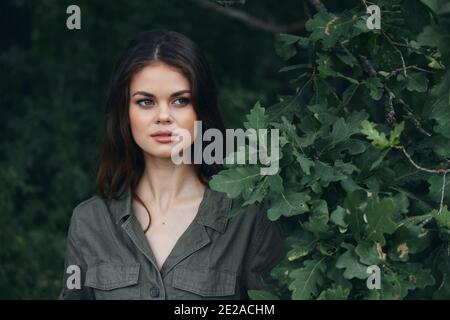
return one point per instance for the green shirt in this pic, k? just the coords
(217, 257)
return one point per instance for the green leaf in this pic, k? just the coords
(416, 276)
(335, 293)
(243, 154)
(326, 67)
(355, 204)
(305, 163)
(394, 137)
(434, 5)
(275, 183)
(338, 217)
(327, 173)
(353, 268)
(414, 220)
(302, 246)
(379, 218)
(285, 45)
(259, 192)
(417, 82)
(348, 94)
(257, 119)
(379, 160)
(443, 291)
(368, 253)
(348, 58)
(442, 218)
(340, 131)
(375, 88)
(393, 286)
(379, 140)
(288, 203)
(438, 108)
(320, 27)
(261, 295)
(409, 240)
(307, 279)
(295, 67)
(330, 28)
(235, 181)
(318, 219)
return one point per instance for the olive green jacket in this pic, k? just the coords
(217, 257)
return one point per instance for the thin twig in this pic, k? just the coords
(365, 4)
(442, 194)
(434, 171)
(389, 96)
(367, 66)
(422, 69)
(396, 71)
(439, 171)
(409, 112)
(389, 107)
(249, 20)
(399, 44)
(390, 114)
(393, 44)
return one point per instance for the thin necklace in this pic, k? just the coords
(148, 212)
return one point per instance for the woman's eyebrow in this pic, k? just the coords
(151, 95)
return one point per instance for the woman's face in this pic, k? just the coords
(160, 100)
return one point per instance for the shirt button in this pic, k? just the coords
(154, 292)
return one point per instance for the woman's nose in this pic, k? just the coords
(163, 113)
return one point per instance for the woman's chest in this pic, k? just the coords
(165, 230)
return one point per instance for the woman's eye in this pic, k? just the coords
(182, 101)
(144, 102)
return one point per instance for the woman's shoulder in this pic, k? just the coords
(88, 202)
(90, 209)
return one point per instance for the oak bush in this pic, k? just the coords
(365, 146)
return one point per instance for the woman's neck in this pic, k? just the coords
(164, 183)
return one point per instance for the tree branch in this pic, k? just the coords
(318, 5)
(388, 95)
(249, 20)
(393, 44)
(399, 70)
(436, 171)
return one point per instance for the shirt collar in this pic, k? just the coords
(212, 212)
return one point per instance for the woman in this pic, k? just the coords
(155, 230)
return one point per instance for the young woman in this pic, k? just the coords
(155, 230)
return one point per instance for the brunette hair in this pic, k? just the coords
(121, 160)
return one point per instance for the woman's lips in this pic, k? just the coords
(163, 138)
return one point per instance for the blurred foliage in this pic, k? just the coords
(53, 86)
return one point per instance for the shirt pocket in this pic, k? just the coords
(112, 281)
(198, 283)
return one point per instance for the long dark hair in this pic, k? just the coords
(121, 159)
